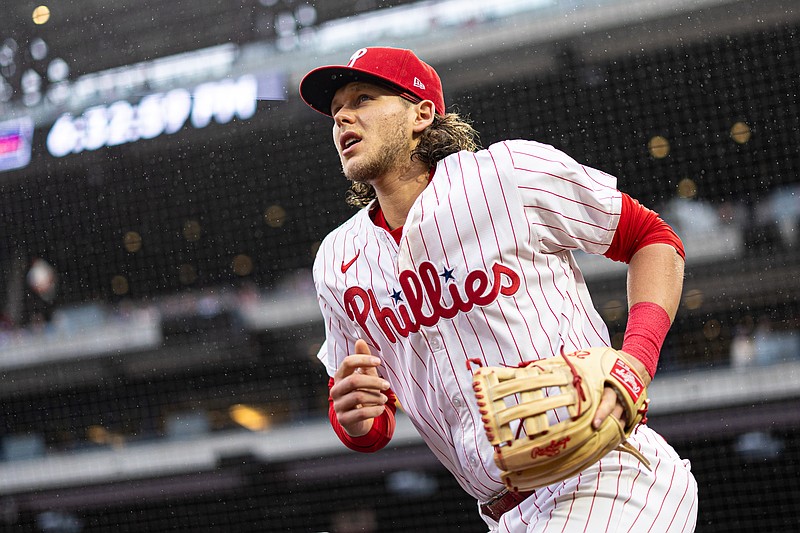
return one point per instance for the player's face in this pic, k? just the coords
(371, 131)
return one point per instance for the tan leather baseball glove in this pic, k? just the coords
(538, 416)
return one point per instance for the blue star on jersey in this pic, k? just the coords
(447, 274)
(397, 296)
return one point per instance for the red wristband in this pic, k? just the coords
(647, 327)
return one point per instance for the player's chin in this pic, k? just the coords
(346, 166)
(354, 172)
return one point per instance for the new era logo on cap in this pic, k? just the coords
(398, 68)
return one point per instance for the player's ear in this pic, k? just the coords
(425, 110)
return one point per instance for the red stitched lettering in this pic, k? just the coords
(554, 448)
(424, 304)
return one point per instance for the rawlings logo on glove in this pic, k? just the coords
(538, 416)
(628, 378)
(554, 448)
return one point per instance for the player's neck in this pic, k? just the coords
(397, 194)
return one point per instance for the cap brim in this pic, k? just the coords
(318, 86)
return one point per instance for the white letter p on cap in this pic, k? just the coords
(358, 54)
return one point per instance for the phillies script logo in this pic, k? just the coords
(425, 287)
(554, 448)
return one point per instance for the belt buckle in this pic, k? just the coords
(496, 507)
(488, 507)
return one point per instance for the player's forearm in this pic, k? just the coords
(655, 274)
(655, 281)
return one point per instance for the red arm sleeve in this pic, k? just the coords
(378, 436)
(639, 227)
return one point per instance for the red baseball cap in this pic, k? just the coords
(396, 68)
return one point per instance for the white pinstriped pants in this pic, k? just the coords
(617, 494)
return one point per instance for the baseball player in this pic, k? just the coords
(462, 254)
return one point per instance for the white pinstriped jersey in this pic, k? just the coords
(502, 221)
(483, 270)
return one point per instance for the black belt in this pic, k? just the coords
(502, 503)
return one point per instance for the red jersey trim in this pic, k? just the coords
(380, 221)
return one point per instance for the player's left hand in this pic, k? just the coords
(610, 404)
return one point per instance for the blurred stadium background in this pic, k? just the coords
(163, 191)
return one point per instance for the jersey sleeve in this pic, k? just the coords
(337, 344)
(568, 206)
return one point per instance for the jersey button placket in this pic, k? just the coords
(436, 342)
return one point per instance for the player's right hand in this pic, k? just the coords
(357, 391)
